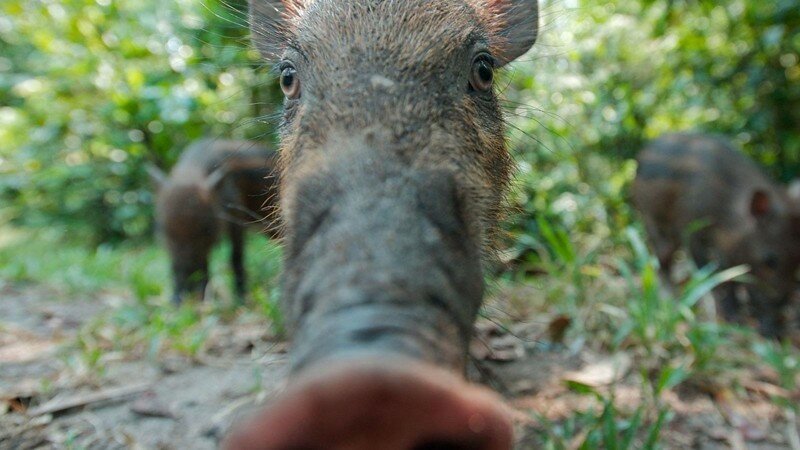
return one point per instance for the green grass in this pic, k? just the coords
(617, 302)
(608, 426)
(145, 323)
(50, 257)
(608, 288)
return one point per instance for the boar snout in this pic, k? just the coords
(191, 280)
(381, 261)
(394, 169)
(384, 404)
(384, 276)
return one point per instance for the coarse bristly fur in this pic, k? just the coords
(387, 122)
(394, 169)
(435, 34)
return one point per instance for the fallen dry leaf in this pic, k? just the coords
(24, 351)
(148, 404)
(558, 328)
(746, 429)
(602, 373)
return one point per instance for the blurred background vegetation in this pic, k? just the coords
(609, 75)
(91, 90)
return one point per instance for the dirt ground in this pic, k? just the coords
(143, 403)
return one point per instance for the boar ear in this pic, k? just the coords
(760, 203)
(157, 176)
(215, 178)
(794, 189)
(517, 27)
(268, 25)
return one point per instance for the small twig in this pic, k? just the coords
(791, 429)
(219, 424)
(736, 440)
(578, 441)
(766, 389)
(732, 418)
(59, 405)
(489, 377)
(252, 214)
(232, 408)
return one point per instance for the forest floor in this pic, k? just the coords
(51, 398)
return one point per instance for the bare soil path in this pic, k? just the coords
(48, 402)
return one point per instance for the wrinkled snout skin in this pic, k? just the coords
(698, 189)
(383, 258)
(394, 174)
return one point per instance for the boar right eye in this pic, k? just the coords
(290, 84)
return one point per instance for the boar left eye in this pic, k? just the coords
(482, 74)
(290, 84)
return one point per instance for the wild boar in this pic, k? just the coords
(699, 190)
(394, 170)
(216, 187)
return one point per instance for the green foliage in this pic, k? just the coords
(54, 257)
(657, 318)
(611, 74)
(785, 360)
(107, 86)
(103, 88)
(609, 428)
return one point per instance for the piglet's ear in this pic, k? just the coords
(517, 27)
(760, 203)
(794, 189)
(215, 178)
(269, 25)
(157, 176)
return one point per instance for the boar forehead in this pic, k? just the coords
(406, 41)
(394, 74)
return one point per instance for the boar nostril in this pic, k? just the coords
(368, 335)
(447, 445)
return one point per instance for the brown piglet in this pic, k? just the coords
(217, 186)
(699, 190)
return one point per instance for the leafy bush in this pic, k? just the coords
(107, 86)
